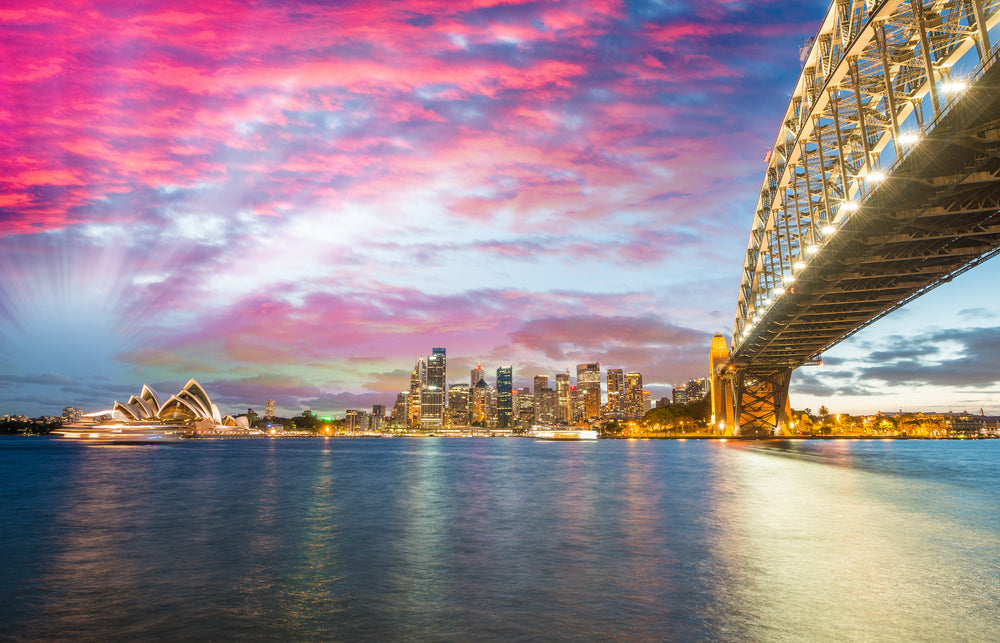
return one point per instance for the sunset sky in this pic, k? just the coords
(296, 200)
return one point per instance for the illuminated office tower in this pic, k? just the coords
(632, 395)
(433, 392)
(376, 422)
(480, 403)
(588, 385)
(697, 389)
(505, 397)
(269, 410)
(541, 383)
(546, 406)
(476, 376)
(647, 402)
(564, 414)
(525, 408)
(616, 381)
(398, 414)
(458, 405)
(417, 378)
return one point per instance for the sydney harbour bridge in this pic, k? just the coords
(883, 183)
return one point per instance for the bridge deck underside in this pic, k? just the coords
(937, 216)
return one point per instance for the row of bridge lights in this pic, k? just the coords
(850, 207)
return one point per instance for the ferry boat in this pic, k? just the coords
(562, 434)
(123, 433)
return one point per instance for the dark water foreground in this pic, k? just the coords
(450, 539)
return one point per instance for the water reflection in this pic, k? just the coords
(830, 552)
(502, 539)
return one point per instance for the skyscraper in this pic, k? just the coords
(480, 403)
(476, 376)
(588, 384)
(616, 381)
(399, 410)
(546, 406)
(564, 414)
(541, 381)
(458, 405)
(505, 398)
(417, 378)
(632, 395)
(269, 410)
(433, 393)
(525, 409)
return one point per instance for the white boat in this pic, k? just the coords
(123, 433)
(563, 434)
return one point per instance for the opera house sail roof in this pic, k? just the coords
(189, 404)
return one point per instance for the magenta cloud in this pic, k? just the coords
(241, 189)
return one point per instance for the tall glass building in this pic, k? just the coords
(432, 404)
(505, 397)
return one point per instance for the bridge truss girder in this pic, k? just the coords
(831, 249)
(876, 72)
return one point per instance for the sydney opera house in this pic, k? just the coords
(145, 419)
(191, 403)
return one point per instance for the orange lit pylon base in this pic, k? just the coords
(761, 404)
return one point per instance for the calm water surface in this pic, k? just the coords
(452, 539)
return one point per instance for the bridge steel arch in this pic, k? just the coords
(883, 183)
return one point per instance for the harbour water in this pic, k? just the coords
(510, 539)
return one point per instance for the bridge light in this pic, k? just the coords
(953, 87)
(829, 229)
(788, 279)
(876, 176)
(849, 206)
(779, 292)
(800, 265)
(812, 249)
(908, 138)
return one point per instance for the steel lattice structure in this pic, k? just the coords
(883, 183)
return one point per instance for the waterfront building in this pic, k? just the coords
(505, 399)
(564, 414)
(189, 405)
(72, 413)
(432, 403)
(616, 381)
(398, 415)
(269, 410)
(647, 402)
(697, 389)
(355, 421)
(524, 408)
(546, 406)
(376, 421)
(480, 403)
(458, 405)
(540, 382)
(417, 378)
(588, 385)
(632, 395)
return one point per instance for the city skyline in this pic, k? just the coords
(290, 205)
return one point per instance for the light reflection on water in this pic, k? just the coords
(438, 539)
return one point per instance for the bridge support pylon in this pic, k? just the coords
(761, 404)
(723, 418)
